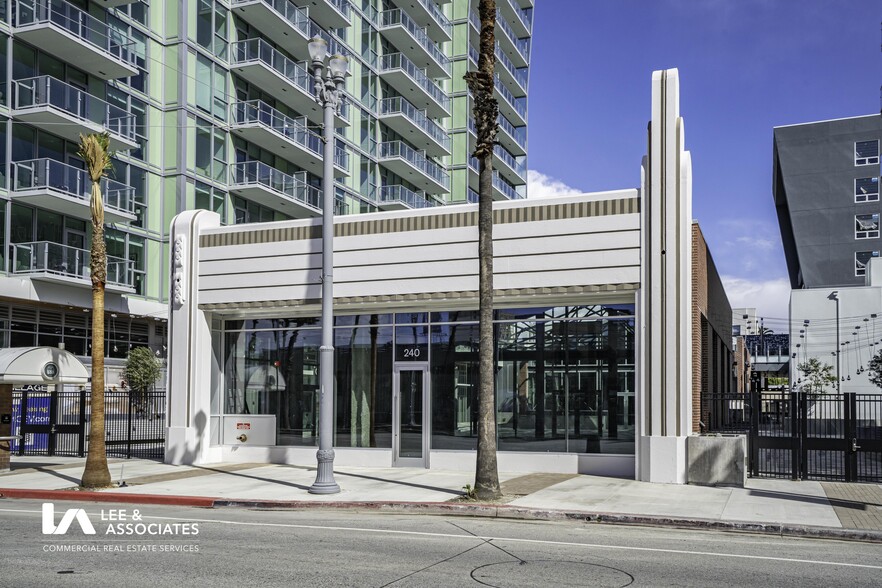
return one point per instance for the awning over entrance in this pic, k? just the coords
(770, 368)
(41, 365)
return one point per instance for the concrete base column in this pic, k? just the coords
(662, 460)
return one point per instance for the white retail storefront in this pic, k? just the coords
(593, 332)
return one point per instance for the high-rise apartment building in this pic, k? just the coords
(209, 105)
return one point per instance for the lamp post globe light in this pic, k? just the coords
(328, 90)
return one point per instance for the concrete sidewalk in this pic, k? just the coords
(764, 505)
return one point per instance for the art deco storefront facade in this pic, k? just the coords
(591, 336)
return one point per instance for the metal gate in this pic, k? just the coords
(57, 423)
(50, 423)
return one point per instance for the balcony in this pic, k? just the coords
(398, 197)
(59, 187)
(331, 14)
(397, 26)
(413, 166)
(66, 111)
(286, 25)
(515, 79)
(517, 50)
(513, 139)
(511, 169)
(74, 36)
(426, 14)
(54, 262)
(514, 109)
(113, 3)
(412, 124)
(502, 190)
(257, 62)
(413, 83)
(520, 19)
(259, 123)
(275, 189)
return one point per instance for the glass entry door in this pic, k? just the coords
(410, 446)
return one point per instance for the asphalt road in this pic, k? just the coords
(242, 548)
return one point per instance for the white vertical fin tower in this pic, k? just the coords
(191, 362)
(664, 346)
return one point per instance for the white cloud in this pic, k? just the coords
(771, 298)
(541, 186)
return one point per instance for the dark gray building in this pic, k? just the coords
(826, 188)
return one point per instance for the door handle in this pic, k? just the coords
(52, 429)
(854, 446)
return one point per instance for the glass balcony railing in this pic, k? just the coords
(520, 168)
(438, 16)
(398, 105)
(46, 257)
(398, 193)
(398, 17)
(259, 50)
(504, 187)
(519, 74)
(259, 112)
(524, 15)
(342, 7)
(519, 134)
(400, 61)
(48, 91)
(287, 186)
(518, 104)
(49, 174)
(299, 19)
(473, 197)
(79, 24)
(399, 149)
(521, 45)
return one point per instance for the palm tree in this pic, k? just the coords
(486, 109)
(94, 149)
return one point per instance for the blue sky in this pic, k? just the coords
(745, 66)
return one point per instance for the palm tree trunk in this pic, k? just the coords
(486, 109)
(96, 474)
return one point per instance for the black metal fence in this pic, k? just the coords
(57, 423)
(803, 435)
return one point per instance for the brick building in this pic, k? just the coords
(712, 353)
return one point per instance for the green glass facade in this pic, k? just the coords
(208, 106)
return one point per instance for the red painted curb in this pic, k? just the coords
(88, 496)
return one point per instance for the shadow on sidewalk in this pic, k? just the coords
(261, 478)
(823, 500)
(400, 483)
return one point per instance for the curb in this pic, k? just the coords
(91, 496)
(465, 510)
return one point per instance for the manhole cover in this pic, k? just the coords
(543, 572)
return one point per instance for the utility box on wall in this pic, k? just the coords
(249, 429)
(717, 460)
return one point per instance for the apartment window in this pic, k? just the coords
(210, 198)
(866, 190)
(211, 158)
(866, 226)
(251, 212)
(211, 27)
(211, 87)
(861, 259)
(866, 152)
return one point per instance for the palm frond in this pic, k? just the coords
(95, 151)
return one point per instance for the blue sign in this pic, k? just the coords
(37, 414)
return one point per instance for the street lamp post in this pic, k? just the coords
(328, 92)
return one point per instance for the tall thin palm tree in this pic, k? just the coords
(95, 151)
(480, 82)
